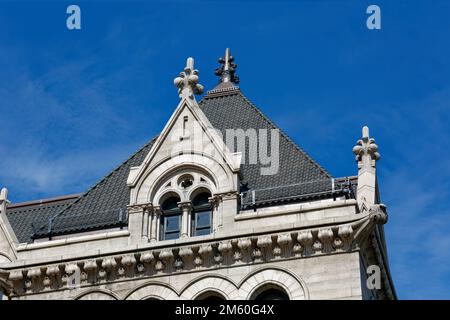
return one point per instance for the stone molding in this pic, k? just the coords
(220, 253)
(294, 286)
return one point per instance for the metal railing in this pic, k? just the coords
(114, 216)
(254, 197)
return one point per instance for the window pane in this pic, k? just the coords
(172, 223)
(203, 219)
(203, 231)
(171, 235)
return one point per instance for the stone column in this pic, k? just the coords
(216, 216)
(186, 209)
(156, 212)
(145, 222)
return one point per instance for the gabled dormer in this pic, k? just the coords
(179, 189)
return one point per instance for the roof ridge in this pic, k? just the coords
(83, 195)
(266, 118)
(43, 201)
(217, 92)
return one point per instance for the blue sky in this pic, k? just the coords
(74, 104)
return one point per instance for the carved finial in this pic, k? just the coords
(187, 82)
(366, 150)
(227, 71)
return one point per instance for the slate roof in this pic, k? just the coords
(23, 216)
(299, 176)
(104, 205)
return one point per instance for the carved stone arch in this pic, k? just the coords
(152, 290)
(198, 190)
(172, 178)
(221, 175)
(207, 293)
(97, 294)
(160, 198)
(4, 258)
(181, 165)
(215, 283)
(292, 284)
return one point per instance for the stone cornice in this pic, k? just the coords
(169, 243)
(215, 253)
(78, 239)
(294, 209)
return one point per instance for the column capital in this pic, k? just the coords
(148, 207)
(157, 209)
(214, 200)
(184, 205)
(134, 209)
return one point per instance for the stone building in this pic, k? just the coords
(220, 205)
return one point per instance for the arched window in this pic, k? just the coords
(210, 296)
(270, 293)
(201, 216)
(170, 219)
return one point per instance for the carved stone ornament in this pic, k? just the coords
(377, 213)
(186, 254)
(109, 263)
(147, 257)
(215, 254)
(34, 273)
(366, 151)
(205, 250)
(166, 256)
(90, 266)
(187, 81)
(305, 238)
(284, 239)
(326, 238)
(244, 244)
(128, 261)
(53, 271)
(225, 247)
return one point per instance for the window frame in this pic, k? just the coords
(170, 213)
(197, 210)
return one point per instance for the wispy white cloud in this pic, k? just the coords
(66, 126)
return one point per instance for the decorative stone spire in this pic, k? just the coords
(3, 200)
(366, 150)
(4, 194)
(227, 71)
(187, 82)
(367, 155)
